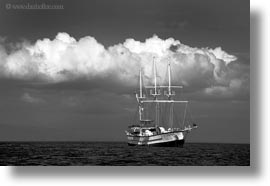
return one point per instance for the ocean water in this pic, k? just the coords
(120, 154)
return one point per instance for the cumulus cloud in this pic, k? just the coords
(64, 59)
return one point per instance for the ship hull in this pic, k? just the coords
(177, 143)
(172, 139)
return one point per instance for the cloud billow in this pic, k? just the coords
(209, 72)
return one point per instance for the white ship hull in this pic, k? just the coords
(172, 139)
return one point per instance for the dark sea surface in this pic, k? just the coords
(119, 153)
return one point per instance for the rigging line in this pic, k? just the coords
(166, 111)
(180, 119)
(163, 116)
(178, 124)
(135, 116)
(152, 113)
(171, 115)
(191, 117)
(160, 117)
(157, 114)
(185, 114)
(146, 111)
(175, 123)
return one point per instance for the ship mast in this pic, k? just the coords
(169, 95)
(155, 94)
(140, 96)
(155, 76)
(169, 74)
(141, 83)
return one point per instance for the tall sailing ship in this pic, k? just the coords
(161, 119)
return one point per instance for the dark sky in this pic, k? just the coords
(103, 114)
(198, 23)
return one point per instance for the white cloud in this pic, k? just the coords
(64, 59)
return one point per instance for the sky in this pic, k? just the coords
(70, 74)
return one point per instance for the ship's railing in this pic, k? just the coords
(163, 101)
